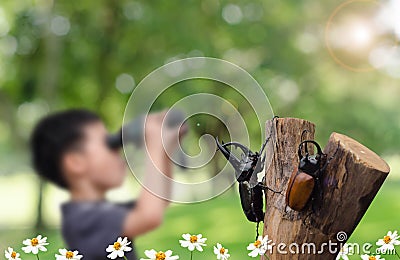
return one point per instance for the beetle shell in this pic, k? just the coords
(300, 189)
(252, 201)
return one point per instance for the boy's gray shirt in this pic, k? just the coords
(90, 227)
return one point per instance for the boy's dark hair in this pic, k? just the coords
(53, 136)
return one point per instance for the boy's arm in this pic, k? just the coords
(149, 210)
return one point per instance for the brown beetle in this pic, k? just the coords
(302, 182)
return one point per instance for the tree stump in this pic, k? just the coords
(349, 184)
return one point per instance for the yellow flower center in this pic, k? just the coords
(386, 239)
(117, 245)
(372, 257)
(257, 243)
(34, 241)
(160, 256)
(193, 239)
(69, 255)
(14, 254)
(222, 250)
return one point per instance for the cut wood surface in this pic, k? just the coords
(349, 184)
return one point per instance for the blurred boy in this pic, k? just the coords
(70, 149)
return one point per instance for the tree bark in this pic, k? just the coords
(349, 184)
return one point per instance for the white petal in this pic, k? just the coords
(120, 253)
(198, 247)
(186, 236)
(251, 246)
(191, 246)
(127, 249)
(27, 249)
(253, 253)
(184, 243)
(42, 248)
(110, 248)
(26, 242)
(35, 250)
(113, 255)
(150, 253)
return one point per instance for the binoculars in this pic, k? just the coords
(133, 132)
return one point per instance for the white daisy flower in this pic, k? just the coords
(344, 251)
(35, 244)
(10, 254)
(221, 252)
(259, 247)
(193, 242)
(372, 257)
(68, 255)
(388, 242)
(160, 255)
(119, 248)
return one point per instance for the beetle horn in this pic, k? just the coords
(319, 151)
(228, 155)
(238, 145)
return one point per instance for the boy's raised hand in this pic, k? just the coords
(161, 136)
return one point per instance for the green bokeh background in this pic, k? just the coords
(62, 54)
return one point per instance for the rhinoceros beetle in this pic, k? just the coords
(246, 170)
(305, 179)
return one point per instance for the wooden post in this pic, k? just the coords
(349, 184)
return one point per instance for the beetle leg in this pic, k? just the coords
(259, 165)
(262, 163)
(331, 158)
(269, 137)
(264, 187)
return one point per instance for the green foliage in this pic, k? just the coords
(108, 38)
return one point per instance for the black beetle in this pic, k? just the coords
(246, 169)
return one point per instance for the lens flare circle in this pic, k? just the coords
(145, 94)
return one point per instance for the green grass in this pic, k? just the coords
(221, 220)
